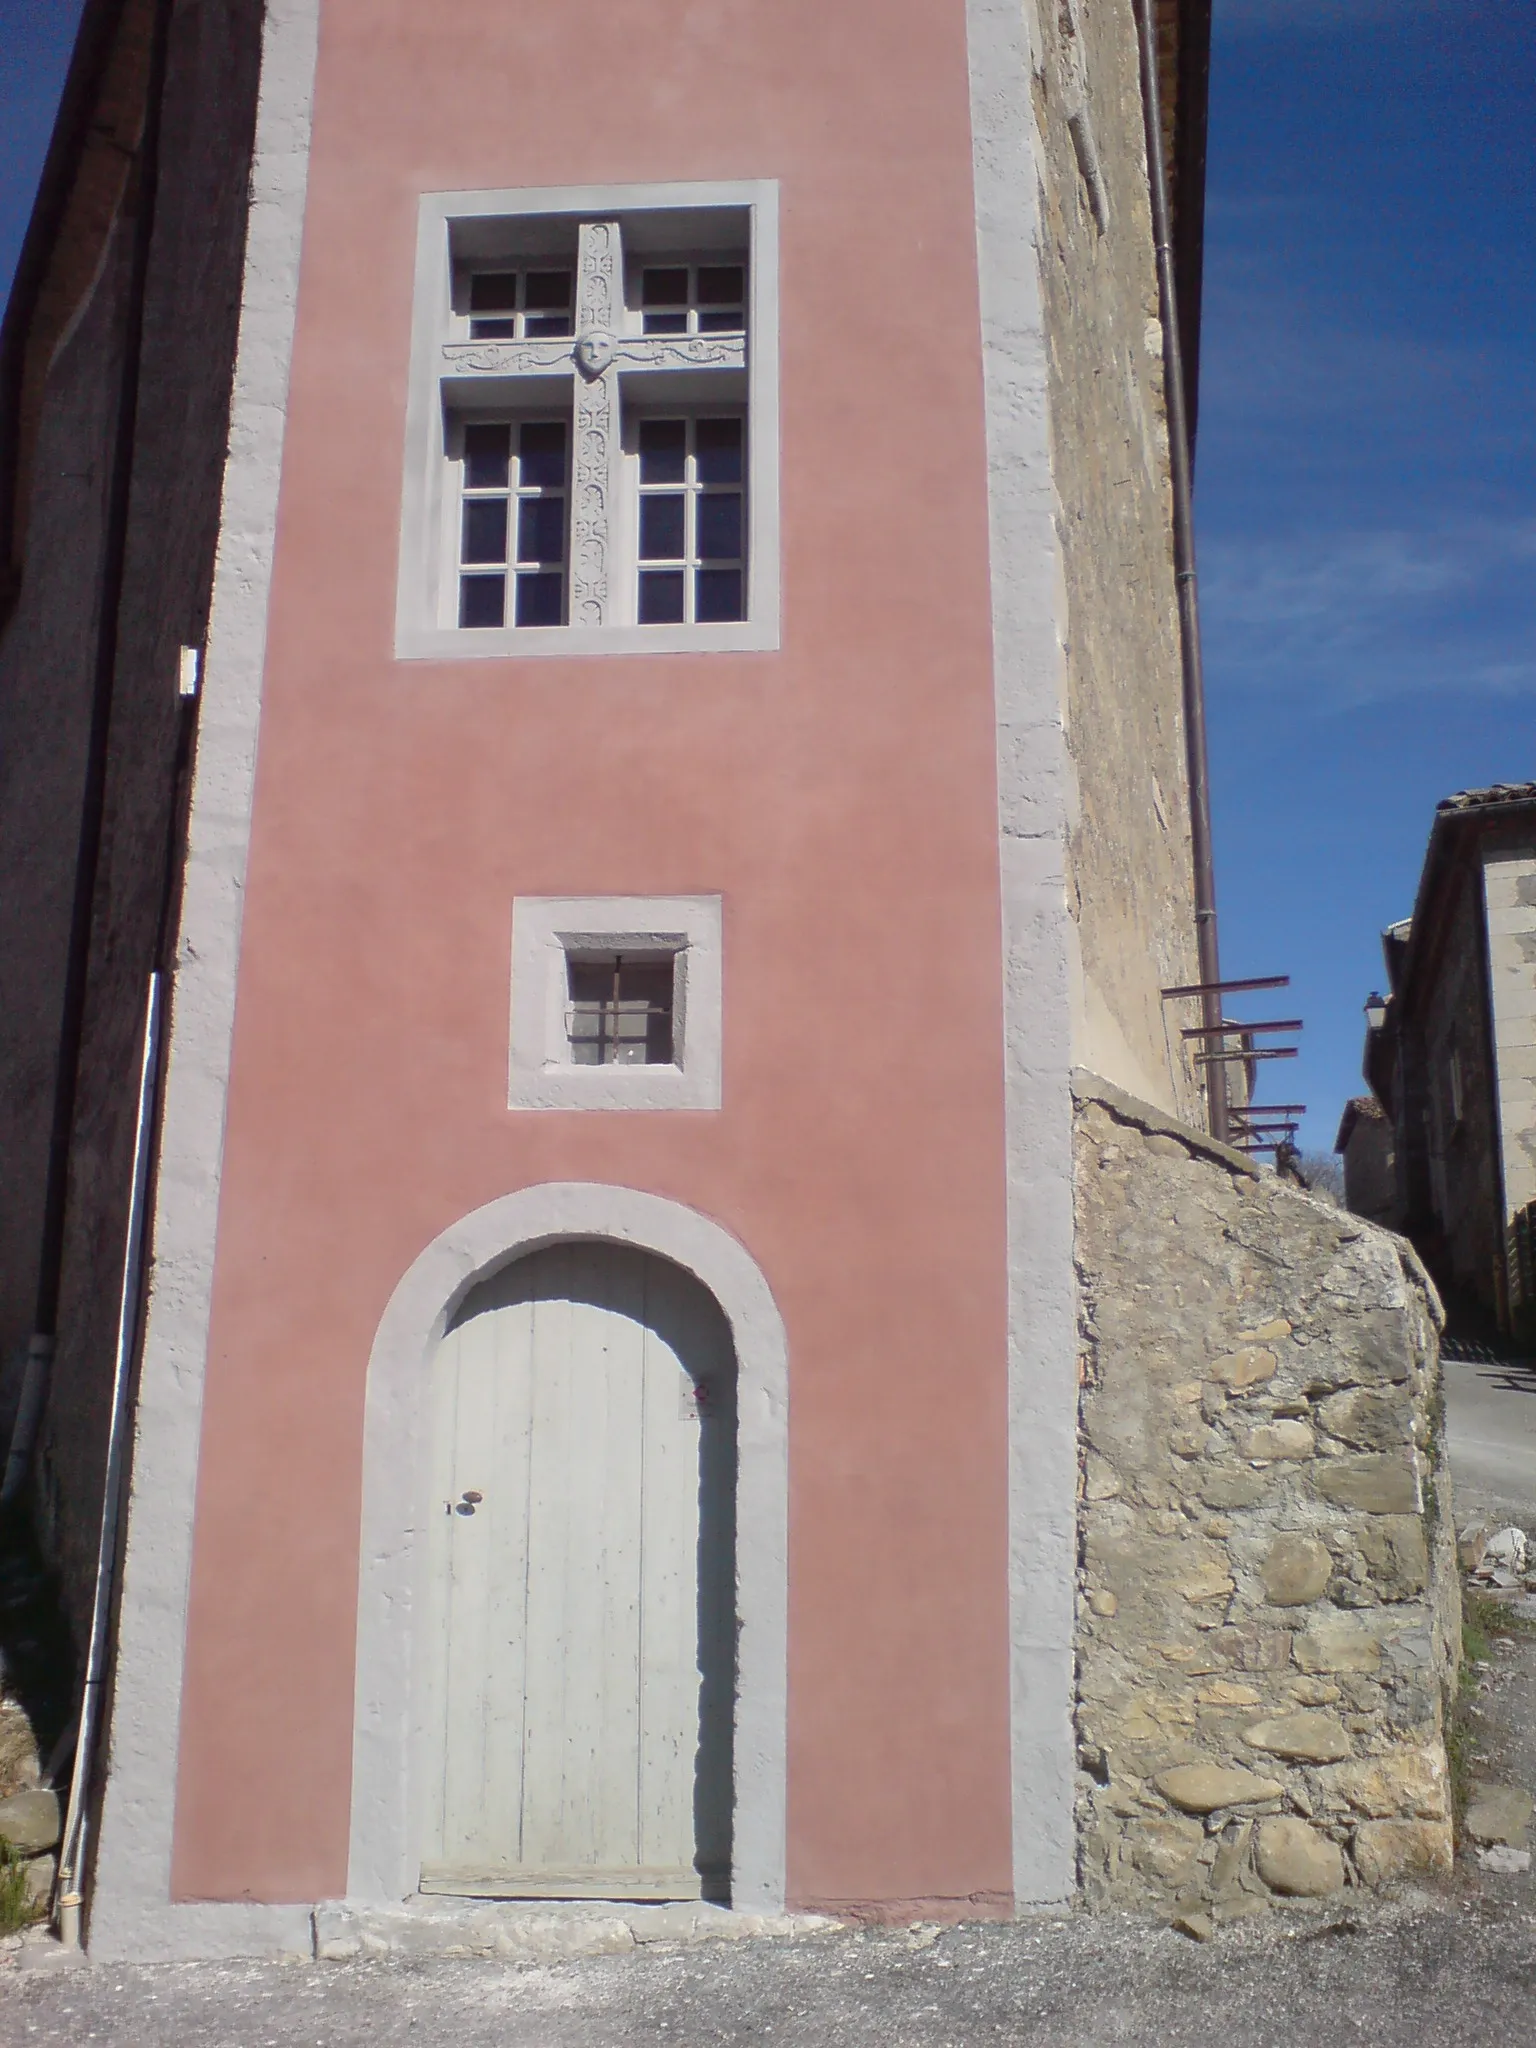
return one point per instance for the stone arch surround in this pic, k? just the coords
(392, 1584)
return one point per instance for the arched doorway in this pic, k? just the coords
(579, 1656)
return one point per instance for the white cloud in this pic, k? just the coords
(1329, 579)
(1365, 615)
(1272, 17)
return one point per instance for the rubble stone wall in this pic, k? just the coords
(1268, 1606)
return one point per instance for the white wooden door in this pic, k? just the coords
(584, 1408)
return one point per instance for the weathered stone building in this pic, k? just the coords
(115, 364)
(1454, 1061)
(1366, 1142)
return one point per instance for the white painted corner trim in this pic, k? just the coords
(130, 1914)
(1028, 680)
(393, 1593)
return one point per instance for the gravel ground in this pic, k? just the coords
(1458, 1971)
(1451, 1969)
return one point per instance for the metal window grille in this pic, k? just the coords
(620, 1012)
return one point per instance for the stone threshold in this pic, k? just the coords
(536, 1931)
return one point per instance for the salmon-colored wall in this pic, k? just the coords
(840, 795)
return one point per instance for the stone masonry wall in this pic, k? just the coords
(48, 654)
(1130, 880)
(191, 313)
(1267, 1595)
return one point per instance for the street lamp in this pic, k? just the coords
(1375, 1011)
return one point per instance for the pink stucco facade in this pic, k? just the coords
(839, 795)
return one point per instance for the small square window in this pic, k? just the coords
(615, 1002)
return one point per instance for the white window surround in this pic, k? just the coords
(546, 930)
(450, 218)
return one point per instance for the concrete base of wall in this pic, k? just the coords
(540, 1931)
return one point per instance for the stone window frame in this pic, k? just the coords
(445, 221)
(546, 932)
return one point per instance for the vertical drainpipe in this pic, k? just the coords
(1208, 952)
(34, 1391)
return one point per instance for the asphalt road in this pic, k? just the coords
(1491, 1421)
(1459, 1974)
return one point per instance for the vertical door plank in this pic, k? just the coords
(669, 1677)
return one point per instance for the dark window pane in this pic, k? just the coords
(646, 991)
(485, 530)
(663, 288)
(547, 288)
(541, 452)
(661, 597)
(493, 291)
(486, 452)
(717, 444)
(719, 517)
(721, 323)
(541, 529)
(540, 598)
(482, 600)
(666, 323)
(661, 528)
(586, 1035)
(492, 330)
(540, 326)
(590, 981)
(720, 286)
(663, 445)
(718, 594)
(647, 981)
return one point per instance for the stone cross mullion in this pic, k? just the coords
(595, 463)
(599, 353)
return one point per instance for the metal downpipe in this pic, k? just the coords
(1184, 572)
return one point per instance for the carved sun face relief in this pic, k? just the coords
(595, 351)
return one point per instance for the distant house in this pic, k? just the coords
(1453, 1059)
(1366, 1142)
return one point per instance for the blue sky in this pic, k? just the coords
(1366, 485)
(35, 36)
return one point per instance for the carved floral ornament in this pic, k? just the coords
(603, 350)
